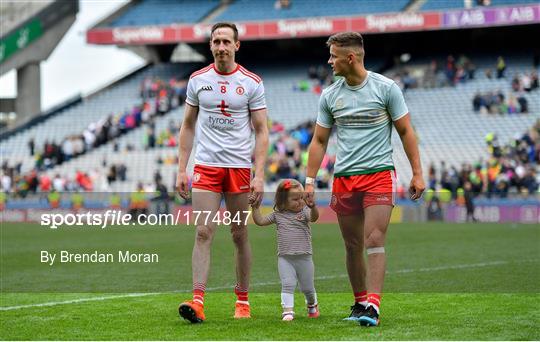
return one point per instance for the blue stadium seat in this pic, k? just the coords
(246, 10)
(163, 12)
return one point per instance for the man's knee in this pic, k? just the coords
(239, 235)
(375, 238)
(354, 245)
(204, 234)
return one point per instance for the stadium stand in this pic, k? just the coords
(461, 139)
(162, 12)
(120, 97)
(245, 10)
(448, 128)
(451, 131)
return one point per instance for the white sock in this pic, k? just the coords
(376, 307)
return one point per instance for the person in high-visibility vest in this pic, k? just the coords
(54, 199)
(115, 201)
(138, 204)
(77, 201)
(445, 196)
(3, 200)
(460, 198)
(428, 195)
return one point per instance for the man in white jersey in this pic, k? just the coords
(363, 105)
(225, 103)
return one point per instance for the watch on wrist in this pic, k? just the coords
(310, 180)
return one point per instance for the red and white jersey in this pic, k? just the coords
(223, 132)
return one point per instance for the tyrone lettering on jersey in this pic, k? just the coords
(221, 123)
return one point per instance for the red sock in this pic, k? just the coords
(360, 297)
(241, 294)
(198, 293)
(374, 299)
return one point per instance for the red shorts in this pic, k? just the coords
(221, 179)
(351, 194)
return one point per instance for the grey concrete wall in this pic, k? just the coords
(28, 102)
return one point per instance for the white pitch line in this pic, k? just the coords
(131, 295)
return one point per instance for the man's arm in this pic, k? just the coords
(260, 125)
(185, 145)
(406, 133)
(316, 151)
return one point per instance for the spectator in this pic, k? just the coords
(58, 183)
(534, 80)
(282, 4)
(31, 146)
(122, 172)
(501, 67)
(469, 201)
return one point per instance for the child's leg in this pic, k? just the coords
(306, 273)
(288, 283)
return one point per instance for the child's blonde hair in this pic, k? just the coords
(282, 193)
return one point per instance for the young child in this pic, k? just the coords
(292, 215)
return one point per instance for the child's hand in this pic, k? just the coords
(253, 202)
(310, 201)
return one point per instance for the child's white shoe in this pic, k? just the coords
(287, 316)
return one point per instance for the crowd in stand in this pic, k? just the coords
(510, 168)
(435, 75)
(287, 155)
(167, 137)
(454, 71)
(318, 77)
(525, 82)
(157, 98)
(496, 103)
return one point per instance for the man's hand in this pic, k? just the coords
(417, 187)
(309, 195)
(257, 189)
(182, 185)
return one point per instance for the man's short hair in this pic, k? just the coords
(224, 24)
(346, 39)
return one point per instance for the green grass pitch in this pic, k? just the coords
(444, 282)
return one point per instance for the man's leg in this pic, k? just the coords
(351, 227)
(377, 218)
(237, 206)
(203, 200)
